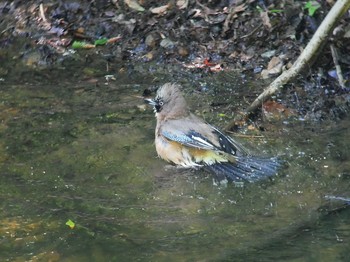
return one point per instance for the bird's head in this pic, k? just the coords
(169, 102)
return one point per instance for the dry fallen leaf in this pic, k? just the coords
(182, 4)
(160, 10)
(265, 19)
(114, 39)
(276, 111)
(232, 14)
(274, 62)
(149, 56)
(133, 4)
(240, 8)
(273, 68)
(213, 67)
(216, 68)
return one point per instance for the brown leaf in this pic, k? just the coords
(206, 9)
(114, 39)
(149, 56)
(160, 10)
(265, 19)
(275, 111)
(274, 62)
(240, 8)
(182, 4)
(133, 4)
(216, 68)
(232, 14)
(273, 68)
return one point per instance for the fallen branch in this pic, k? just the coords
(305, 58)
(337, 66)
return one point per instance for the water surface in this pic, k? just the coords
(71, 148)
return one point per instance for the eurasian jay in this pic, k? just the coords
(186, 140)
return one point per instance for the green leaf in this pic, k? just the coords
(112, 115)
(101, 41)
(312, 6)
(276, 11)
(70, 223)
(77, 45)
(260, 10)
(81, 45)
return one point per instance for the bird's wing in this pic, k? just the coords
(193, 132)
(189, 138)
(189, 131)
(228, 145)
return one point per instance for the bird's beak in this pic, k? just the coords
(150, 102)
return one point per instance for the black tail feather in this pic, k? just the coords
(250, 169)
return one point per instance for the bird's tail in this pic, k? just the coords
(246, 168)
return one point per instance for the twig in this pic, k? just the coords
(11, 25)
(245, 136)
(305, 58)
(42, 15)
(337, 66)
(252, 32)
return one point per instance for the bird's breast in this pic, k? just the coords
(185, 156)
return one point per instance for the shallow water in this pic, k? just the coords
(74, 149)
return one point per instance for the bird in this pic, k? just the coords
(186, 140)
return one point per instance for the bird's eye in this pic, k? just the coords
(158, 106)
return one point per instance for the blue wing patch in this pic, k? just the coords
(191, 138)
(183, 139)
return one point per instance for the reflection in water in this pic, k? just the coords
(85, 153)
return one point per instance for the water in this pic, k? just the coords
(74, 149)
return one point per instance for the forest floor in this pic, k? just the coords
(258, 38)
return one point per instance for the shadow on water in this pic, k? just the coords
(76, 150)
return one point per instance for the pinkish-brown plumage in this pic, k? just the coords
(186, 140)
